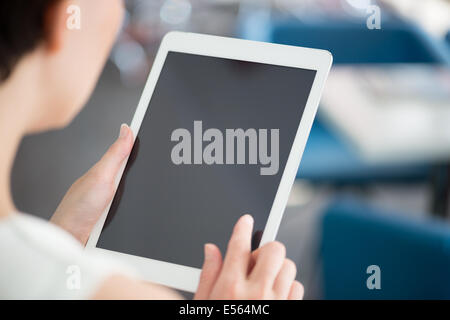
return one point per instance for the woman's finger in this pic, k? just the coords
(297, 291)
(284, 280)
(210, 271)
(239, 248)
(268, 263)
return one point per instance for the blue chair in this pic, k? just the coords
(327, 156)
(352, 42)
(413, 255)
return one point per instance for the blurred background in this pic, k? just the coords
(374, 182)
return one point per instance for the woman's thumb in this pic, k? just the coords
(112, 160)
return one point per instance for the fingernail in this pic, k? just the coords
(207, 249)
(248, 219)
(123, 131)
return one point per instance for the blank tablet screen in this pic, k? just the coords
(212, 146)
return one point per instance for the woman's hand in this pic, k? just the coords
(88, 197)
(262, 274)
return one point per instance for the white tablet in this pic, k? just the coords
(220, 130)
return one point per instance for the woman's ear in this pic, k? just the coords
(55, 25)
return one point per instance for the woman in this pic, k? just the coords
(47, 73)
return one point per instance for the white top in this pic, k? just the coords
(38, 260)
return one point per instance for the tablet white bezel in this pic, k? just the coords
(183, 277)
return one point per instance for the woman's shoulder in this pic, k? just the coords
(40, 260)
(30, 231)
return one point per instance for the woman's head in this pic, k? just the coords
(37, 38)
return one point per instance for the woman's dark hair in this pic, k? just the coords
(21, 29)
